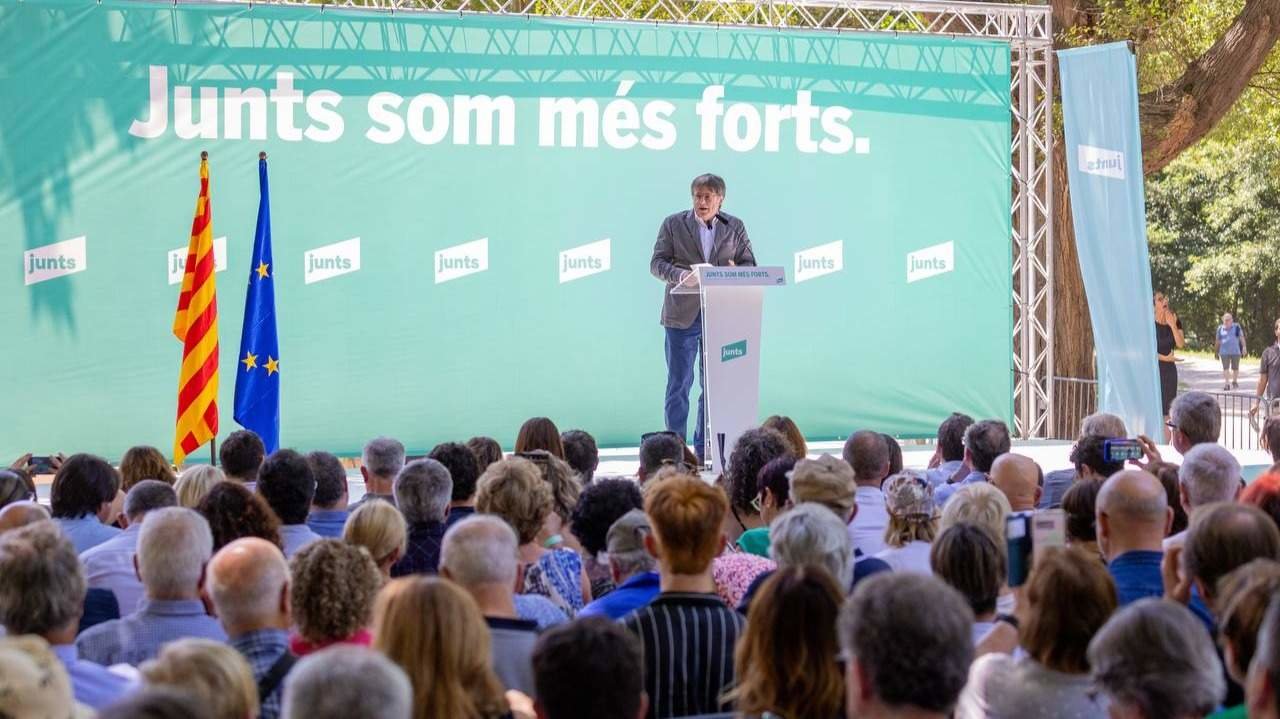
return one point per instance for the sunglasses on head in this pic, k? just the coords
(661, 433)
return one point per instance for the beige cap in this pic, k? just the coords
(33, 683)
(826, 480)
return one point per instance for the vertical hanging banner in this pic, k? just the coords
(1104, 171)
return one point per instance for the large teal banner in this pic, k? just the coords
(464, 209)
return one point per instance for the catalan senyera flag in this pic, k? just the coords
(196, 324)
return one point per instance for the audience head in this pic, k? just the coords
(1080, 505)
(601, 504)
(788, 429)
(174, 546)
(978, 503)
(480, 551)
(486, 451)
(241, 455)
(1223, 537)
(984, 441)
(868, 454)
(1019, 477)
(785, 661)
(347, 681)
(463, 468)
(773, 486)
(423, 490)
(149, 495)
(625, 545)
(908, 498)
(288, 485)
(334, 584)
(1262, 687)
(970, 559)
(331, 481)
(1264, 493)
(1243, 596)
(248, 584)
(1103, 424)
(827, 481)
(144, 462)
(658, 449)
(754, 449)
(1194, 418)
(84, 486)
(158, 703)
(564, 482)
(435, 632)
(1167, 473)
(34, 683)
(20, 514)
(540, 433)
(686, 515)
(582, 454)
(192, 485)
(589, 668)
(809, 534)
(1069, 596)
(380, 528)
(895, 454)
(1131, 513)
(381, 460)
(514, 490)
(234, 512)
(1089, 458)
(1269, 438)
(1154, 660)
(15, 486)
(951, 436)
(892, 610)
(1209, 473)
(42, 585)
(213, 672)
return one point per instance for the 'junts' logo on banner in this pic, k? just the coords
(733, 351)
(329, 261)
(818, 261)
(931, 261)
(178, 259)
(57, 260)
(1097, 161)
(462, 260)
(585, 260)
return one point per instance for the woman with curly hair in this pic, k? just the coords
(753, 450)
(334, 585)
(436, 633)
(599, 506)
(234, 512)
(514, 490)
(144, 462)
(565, 490)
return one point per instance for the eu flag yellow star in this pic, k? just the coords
(250, 361)
(262, 270)
(272, 366)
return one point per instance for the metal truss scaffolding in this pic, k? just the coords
(1027, 29)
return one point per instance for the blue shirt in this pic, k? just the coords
(328, 523)
(86, 532)
(1137, 576)
(1056, 484)
(457, 514)
(91, 683)
(262, 648)
(939, 475)
(943, 493)
(138, 637)
(295, 537)
(110, 566)
(539, 610)
(1229, 341)
(636, 592)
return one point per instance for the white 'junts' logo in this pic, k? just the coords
(1097, 161)
(56, 260)
(329, 261)
(585, 260)
(178, 259)
(462, 260)
(931, 261)
(818, 261)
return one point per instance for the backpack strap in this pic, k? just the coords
(275, 675)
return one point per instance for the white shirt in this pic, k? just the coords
(866, 531)
(912, 557)
(110, 566)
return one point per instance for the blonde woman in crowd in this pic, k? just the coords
(380, 528)
(194, 483)
(213, 672)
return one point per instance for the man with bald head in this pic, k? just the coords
(868, 454)
(20, 514)
(249, 588)
(1133, 515)
(1019, 477)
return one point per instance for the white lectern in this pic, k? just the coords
(732, 303)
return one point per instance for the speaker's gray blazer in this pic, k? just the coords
(679, 247)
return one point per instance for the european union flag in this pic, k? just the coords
(258, 374)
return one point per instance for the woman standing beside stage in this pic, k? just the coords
(1168, 338)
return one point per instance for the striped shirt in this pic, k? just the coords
(688, 642)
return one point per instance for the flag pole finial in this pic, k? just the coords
(262, 155)
(204, 155)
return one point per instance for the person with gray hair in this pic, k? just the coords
(634, 570)
(931, 621)
(380, 464)
(174, 546)
(1262, 687)
(479, 555)
(110, 564)
(1102, 425)
(984, 441)
(810, 534)
(1132, 515)
(1153, 660)
(347, 681)
(423, 490)
(1194, 418)
(1209, 474)
(42, 590)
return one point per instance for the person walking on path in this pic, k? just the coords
(1229, 346)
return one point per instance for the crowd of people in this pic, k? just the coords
(474, 584)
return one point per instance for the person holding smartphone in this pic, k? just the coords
(1168, 338)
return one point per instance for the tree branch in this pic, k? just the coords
(1178, 114)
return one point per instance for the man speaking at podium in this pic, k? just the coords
(702, 235)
